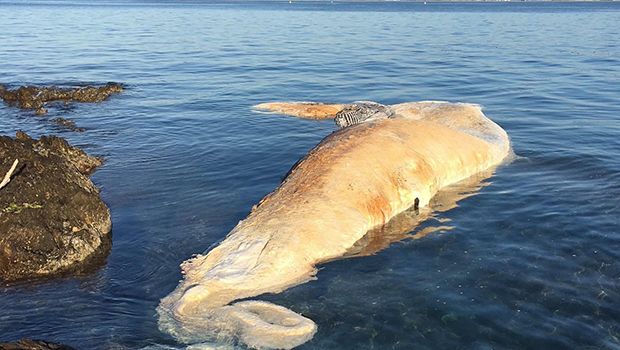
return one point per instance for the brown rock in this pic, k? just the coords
(29, 344)
(32, 97)
(50, 194)
(68, 123)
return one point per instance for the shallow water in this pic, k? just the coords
(531, 262)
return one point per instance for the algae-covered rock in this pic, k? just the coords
(32, 97)
(29, 344)
(52, 220)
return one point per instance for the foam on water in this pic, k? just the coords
(257, 324)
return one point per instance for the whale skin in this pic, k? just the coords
(355, 179)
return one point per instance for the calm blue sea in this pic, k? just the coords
(532, 259)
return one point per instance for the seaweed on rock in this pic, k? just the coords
(52, 220)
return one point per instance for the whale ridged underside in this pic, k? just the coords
(356, 179)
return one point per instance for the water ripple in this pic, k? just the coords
(530, 261)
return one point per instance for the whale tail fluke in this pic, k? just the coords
(258, 324)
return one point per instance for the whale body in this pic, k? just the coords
(355, 179)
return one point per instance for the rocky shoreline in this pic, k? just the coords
(36, 98)
(52, 220)
(29, 344)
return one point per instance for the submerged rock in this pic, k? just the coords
(32, 97)
(68, 123)
(28, 344)
(52, 220)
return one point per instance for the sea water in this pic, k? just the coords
(530, 261)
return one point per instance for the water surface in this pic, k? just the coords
(531, 262)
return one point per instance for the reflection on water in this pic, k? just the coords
(405, 224)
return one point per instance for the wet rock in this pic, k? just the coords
(28, 344)
(68, 123)
(52, 220)
(32, 97)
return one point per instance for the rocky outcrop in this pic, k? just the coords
(32, 97)
(52, 220)
(28, 344)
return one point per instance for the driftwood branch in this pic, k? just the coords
(7, 177)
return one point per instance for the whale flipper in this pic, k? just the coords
(344, 115)
(307, 110)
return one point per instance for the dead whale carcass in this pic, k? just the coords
(357, 178)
